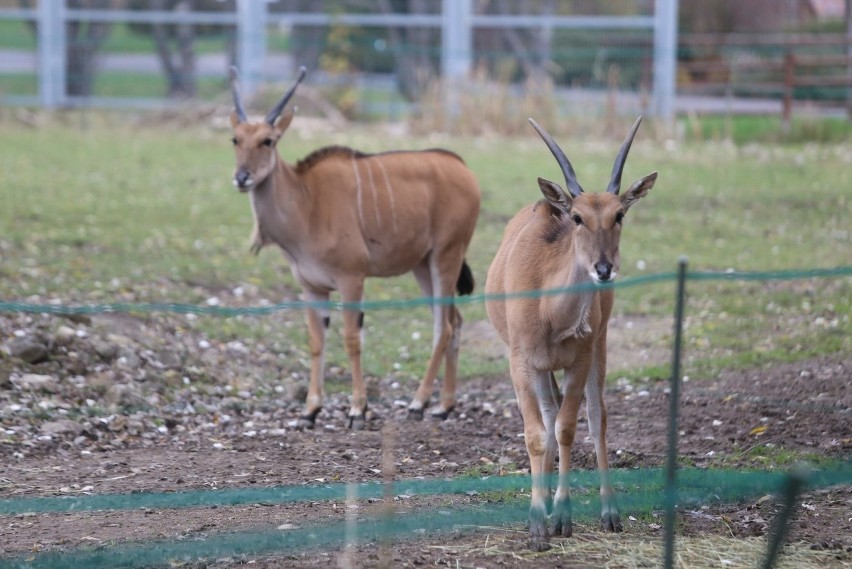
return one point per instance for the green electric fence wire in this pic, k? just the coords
(319, 305)
(225, 311)
(725, 484)
(332, 535)
(642, 494)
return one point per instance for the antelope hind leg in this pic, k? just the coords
(318, 322)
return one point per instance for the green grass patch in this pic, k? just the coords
(123, 39)
(141, 85)
(18, 84)
(769, 457)
(17, 34)
(744, 129)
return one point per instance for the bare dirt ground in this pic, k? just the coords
(118, 404)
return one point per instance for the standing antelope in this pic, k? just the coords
(340, 216)
(569, 238)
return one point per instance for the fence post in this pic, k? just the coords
(51, 53)
(789, 82)
(849, 59)
(795, 481)
(665, 59)
(674, 403)
(251, 43)
(456, 48)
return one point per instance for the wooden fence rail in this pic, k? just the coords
(790, 67)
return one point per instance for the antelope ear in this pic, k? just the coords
(555, 195)
(638, 189)
(282, 122)
(235, 119)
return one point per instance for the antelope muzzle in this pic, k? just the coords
(243, 180)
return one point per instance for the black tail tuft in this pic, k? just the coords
(465, 283)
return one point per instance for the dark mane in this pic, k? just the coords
(320, 154)
(444, 151)
(312, 159)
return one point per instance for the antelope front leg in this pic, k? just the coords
(596, 411)
(536, 438)
(566, 429)
(318, 321)
(353, 324)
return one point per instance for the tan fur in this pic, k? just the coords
(543, 248)
(341, 216)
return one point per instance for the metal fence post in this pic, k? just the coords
(849, 59)
(796, 480)
(456, 48)
(674, 404)
(665, 59)
(251, 43)
(51, 53)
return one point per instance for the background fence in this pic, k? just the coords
(441, 31)
(379, 61)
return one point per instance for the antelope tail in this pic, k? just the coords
(465, 283)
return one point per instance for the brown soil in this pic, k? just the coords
(749, 419)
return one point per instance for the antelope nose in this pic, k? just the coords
(242, 179)
(603, 270)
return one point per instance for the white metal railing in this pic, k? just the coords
(456, 21)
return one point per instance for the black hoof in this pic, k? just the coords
(442, 415)
(358, 422)
(415, 414)
(308, 420)
(538, 545)
(562, 524)
(564, 528)
(612, 523)
(538, 531)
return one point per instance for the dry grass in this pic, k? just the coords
(596, 549)
(483, 105)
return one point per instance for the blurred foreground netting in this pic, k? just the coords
(640, 492)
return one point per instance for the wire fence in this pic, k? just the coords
(639, 490)
(396, 304)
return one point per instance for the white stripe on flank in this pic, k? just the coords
(375, 197)
(390, 193)
(358, 188)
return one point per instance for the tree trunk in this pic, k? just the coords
(186, 54)
(414, 67)
(306, 42)
(178, 68)
(83, 40)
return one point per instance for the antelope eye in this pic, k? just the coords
(234, 140)
(619, 217)
(577, 219)
(267, 142)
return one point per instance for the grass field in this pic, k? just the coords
(124, 211)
